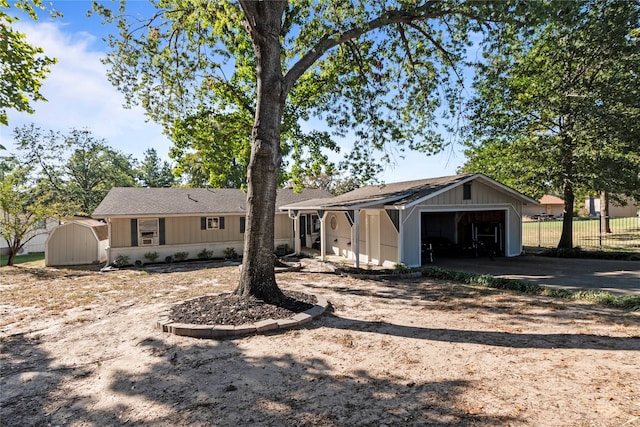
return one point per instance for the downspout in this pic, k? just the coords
(323, 240)
(401, 237)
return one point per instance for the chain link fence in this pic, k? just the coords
(589, 233)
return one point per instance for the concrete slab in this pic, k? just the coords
(617, 277)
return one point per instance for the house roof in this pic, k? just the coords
(548, 199)
(401, 195)
(133, 201)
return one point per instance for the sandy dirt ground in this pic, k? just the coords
(79, 348)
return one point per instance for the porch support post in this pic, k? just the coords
(297, 246)
(356, 236)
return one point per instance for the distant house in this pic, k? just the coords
(37, 238)
(592, 206)
(190, 220)
(392, 223)
(549, 206)
(77, 242)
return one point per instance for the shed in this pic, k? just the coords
(77, 242)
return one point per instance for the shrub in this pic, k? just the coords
(205, 254)
(402, 268)
(138, 263)
(121, 261)
(230, 253)
(181, 256)
(151, 256)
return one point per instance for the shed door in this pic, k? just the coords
(373, 238)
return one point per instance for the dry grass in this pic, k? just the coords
(82, 350)
(36, 292)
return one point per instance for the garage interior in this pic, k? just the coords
(462, 234)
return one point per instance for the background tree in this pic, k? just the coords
(558, 105)
(154, 172)
(76, 168)
(23, 206)
(23, 66)
(380, 71)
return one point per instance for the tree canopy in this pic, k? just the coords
(77, 168)
(23, 66)
(154, 172)
(557, 106)
(384, 72)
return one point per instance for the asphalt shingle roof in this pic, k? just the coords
(133, 201)
(398, 193)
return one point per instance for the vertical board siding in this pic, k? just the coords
(481, 194)
(187, 230)
(120, 233)
(72, 244)
(338, 240)
(389, 239)
(283, 227)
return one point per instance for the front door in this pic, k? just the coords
(303, 231)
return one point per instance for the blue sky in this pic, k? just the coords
(80, 96)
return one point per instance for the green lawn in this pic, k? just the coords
(23, 259)
(625, 234)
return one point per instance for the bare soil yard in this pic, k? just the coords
(79, 348)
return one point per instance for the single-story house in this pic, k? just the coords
(394, 223)
(170, 221)
(550, 206)
(616, 210)
(77, 242)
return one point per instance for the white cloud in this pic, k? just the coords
(80, 96)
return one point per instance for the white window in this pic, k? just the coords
(148, 231)
(213, 223)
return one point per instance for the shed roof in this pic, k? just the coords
(135, 201)
(405, 194)
(100, 228)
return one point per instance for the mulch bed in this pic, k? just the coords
(229, 309)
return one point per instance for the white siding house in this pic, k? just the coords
(396, 222)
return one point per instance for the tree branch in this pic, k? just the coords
(388, 17)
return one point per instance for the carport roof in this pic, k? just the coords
(401, 195)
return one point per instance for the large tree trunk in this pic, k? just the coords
(605, 225)
(12, 257)
(566, 238)
(257, 278)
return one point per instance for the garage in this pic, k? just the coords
(77, 242)
(472, 233)
(408, 222)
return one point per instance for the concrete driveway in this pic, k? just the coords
(617, 277)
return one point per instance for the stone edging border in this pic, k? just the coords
(165, 324)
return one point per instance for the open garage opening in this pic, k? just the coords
(462, 234)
